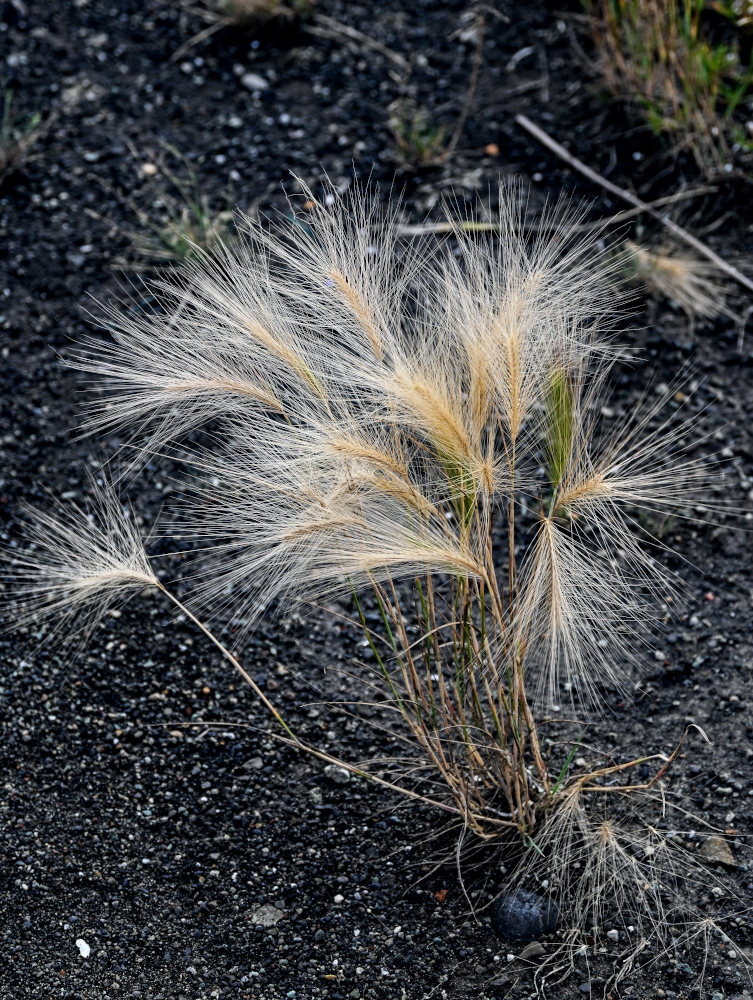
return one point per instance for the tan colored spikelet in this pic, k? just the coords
(232, 386)
(350, 447)
(434, 412)
(286, 354)
(693, 284)
(508, 334)
(403, 490)
(317, 527)
(573, 494)
(577, 615)
(360, 311)
(480, 391)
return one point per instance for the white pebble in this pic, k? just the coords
(252, 81)
(83, 947)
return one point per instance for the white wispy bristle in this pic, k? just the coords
(78, 562)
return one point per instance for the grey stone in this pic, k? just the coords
(717, 851)
(267, 915)
(531, 951)
(340, 775)
(524, 916)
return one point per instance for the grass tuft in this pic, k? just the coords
(16, 138)
(419, 140)
(378, 417)
(690, 81)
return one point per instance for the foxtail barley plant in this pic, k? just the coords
(416, 429)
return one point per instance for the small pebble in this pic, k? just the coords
(339, 775)
(717, 851)
(531, 951)
(252, 81)
(524, 916)
(267, 915)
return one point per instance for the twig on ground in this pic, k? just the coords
(641, 206)
(668, 199)
(439, 228)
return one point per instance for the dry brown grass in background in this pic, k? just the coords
(244, 15)
(17, 138)
(250, 13)
(660, 55)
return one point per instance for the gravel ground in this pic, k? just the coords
(207, 860)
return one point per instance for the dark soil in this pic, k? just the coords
(167, 849)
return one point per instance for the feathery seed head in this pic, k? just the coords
(79, 563)
(692, 283)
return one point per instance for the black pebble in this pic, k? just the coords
(524, 916)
